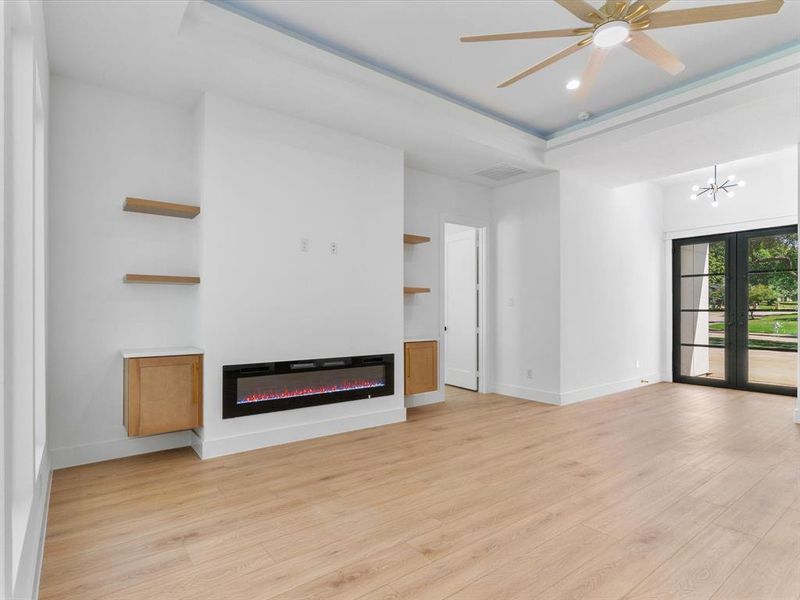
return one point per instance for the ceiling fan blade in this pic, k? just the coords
(546, 62)
(648, 48)
(640, 8)
(582, 9)
(525, 35)
(708, 14)
(596, 60)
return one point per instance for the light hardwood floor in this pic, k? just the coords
(667, 491)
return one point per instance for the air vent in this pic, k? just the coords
(501, 172)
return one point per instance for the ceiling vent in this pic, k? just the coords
(501, 172)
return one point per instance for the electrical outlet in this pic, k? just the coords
(644, 381)
(334, 248)
(305, 245)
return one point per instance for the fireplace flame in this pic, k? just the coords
(344, 386)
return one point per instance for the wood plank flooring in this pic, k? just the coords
(667, 491)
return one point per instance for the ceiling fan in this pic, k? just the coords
(624, 22)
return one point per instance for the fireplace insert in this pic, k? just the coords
(267, 387)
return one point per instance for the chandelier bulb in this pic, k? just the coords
(741, 183)
(731, 177)
(695, 188)
(710, 180)
(714, 203)
(693, 197)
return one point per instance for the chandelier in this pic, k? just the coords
(711, 188)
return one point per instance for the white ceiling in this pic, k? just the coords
(737, 167)
(747, 115)
(419, 42)
(175, 50)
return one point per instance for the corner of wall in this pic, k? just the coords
(30, 565)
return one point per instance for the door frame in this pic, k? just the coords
(666, 272)
(736, 351)
(482, 227)
(730, 325)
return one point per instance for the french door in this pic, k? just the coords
(735, 310)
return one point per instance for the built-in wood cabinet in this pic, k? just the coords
(163, 393)
(421, 366)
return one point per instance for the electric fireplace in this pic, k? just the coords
(267, 387)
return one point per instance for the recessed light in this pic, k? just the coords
(573, 84)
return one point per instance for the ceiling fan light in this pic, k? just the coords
(611, 34)
(573, 84)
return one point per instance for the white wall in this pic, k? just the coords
(577, 284)
(525, 284)
(25, 471)
(611, 286)
(429, 199)
(770, 197)
(267, 182)
(111, 145)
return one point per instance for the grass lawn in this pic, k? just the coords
(766, 324)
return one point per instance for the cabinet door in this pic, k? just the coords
(422, 373)
(164, 394)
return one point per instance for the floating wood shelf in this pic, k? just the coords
(410, 238)
(165, 209)
(170, 279)
(416, 290)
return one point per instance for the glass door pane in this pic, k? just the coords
(735, 310)
(770, 334)
(702, 296)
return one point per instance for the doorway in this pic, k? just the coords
(462, 305)
(735, 310)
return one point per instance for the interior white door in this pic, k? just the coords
(461, 309)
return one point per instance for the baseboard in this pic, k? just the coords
(26, 586)
(211, 448)
(424, 399)
(526, 393)
(90, 453)
(605, 389)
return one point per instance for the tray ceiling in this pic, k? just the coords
(418, 42)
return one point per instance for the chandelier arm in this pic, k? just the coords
(713, 187)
